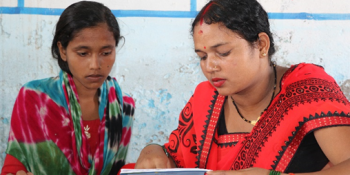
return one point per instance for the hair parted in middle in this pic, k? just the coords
(78, 16)
(247, 18)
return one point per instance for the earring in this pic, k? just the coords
(264, 54)
(215, 67)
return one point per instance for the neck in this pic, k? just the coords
(87, 95)
(252, 101)
(84, 93)
(88, 100)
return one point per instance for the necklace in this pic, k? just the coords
(86, 131)
(253, 122)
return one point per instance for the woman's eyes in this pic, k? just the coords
(225, 54)
(106, 53)
(203, 57)
(220, 54)
(83, 54)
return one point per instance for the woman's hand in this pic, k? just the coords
(153, 156)
(21, 173)
(248, 171)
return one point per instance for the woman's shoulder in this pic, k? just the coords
(204, 91)
(306, 71)
(204, 87)
(41, 83)
(306, 67)
(51, 87)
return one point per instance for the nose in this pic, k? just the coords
(95, 62)
(211, 64)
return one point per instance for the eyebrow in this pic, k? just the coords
(108, 46)
(86, 47)
(218, 45)
(81, 47)
(212, 47)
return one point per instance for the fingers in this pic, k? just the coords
(250, 171)
(23, 173)
(220, 173)
(162, 164)
(151, 163)
(170, 163)
(152, 156)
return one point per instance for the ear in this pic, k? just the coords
(264, 44)
(62, 51)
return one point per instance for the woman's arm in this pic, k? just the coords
(21, 173)
(335, 144)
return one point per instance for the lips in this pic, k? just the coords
(218, 82)
(94, 77)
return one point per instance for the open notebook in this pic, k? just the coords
(173, 171)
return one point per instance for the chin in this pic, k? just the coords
(95, 86)
(223, 92)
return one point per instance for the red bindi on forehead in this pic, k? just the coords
(200, 32)
(205, 47)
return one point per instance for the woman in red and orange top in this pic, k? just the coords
(253, 117)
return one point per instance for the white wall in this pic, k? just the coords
(157, 65)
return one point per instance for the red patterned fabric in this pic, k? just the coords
(309, 100)
(13, 165)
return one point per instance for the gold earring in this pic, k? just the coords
(215, 67)
(264, 54)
